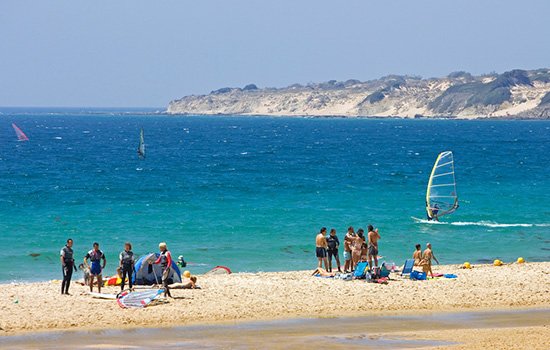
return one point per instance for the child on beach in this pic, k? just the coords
(127, 262)
(333, 243)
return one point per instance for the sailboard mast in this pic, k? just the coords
(441, 195)
(141, 147)
(20, 134)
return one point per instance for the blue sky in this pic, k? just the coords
(146, 53)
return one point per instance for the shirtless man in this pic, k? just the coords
(417, 255)
(321, 248)
(347, 249)
(427, 257)
(373, 238)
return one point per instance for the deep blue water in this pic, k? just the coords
(251, 193)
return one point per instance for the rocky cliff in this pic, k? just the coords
(513, 94)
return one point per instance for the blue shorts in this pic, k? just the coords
(95, 269)
(347, 255)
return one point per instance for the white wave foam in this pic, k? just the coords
(477, 223)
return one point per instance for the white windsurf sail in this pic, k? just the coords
(139, 299)
(141, 147)
(441, 195)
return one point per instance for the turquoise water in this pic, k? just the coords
(251, 193)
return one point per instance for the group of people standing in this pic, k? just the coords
(424, 258)
(95, 262)
(357, 247)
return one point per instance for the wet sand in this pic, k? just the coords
(470, 330)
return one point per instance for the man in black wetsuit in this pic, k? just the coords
(67, 265)
(333, 243)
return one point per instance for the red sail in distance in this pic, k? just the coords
(20, 134)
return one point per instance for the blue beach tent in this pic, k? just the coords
(147, 273)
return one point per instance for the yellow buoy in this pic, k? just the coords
(521, 260)
(467, 265)
(187, 274)
(497, 262)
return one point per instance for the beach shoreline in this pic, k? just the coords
(441, 330)
(246, 297)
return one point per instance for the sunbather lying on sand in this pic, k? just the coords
(322, 272)
(187, 283)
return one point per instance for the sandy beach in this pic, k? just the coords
(240, 297)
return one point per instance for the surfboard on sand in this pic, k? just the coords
(103, 295)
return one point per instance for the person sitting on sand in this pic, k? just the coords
(165, 261)
(320, 272)
(356, 248)
(95, 255)
(348, 238)
(321, 248)
(188, 283)
(127, 261)
(373, 237)
(417, 255)
(427, 257)
(333, 243)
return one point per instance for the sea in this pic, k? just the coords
(251, 193)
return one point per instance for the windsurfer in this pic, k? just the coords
(67, 265)
(165, 261)
(127, 261)
(95, 255)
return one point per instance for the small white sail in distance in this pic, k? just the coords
(141, 147)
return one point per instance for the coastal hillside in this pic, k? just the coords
(514, 94)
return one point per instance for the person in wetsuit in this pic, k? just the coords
(333, 243)
(165, 261)
(127, 262)
(67, 266)
(435, 210)
(95, 255)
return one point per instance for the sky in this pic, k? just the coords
(146, 53)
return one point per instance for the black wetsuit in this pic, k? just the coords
(67, 268)
(127, 261)
(333, 242)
